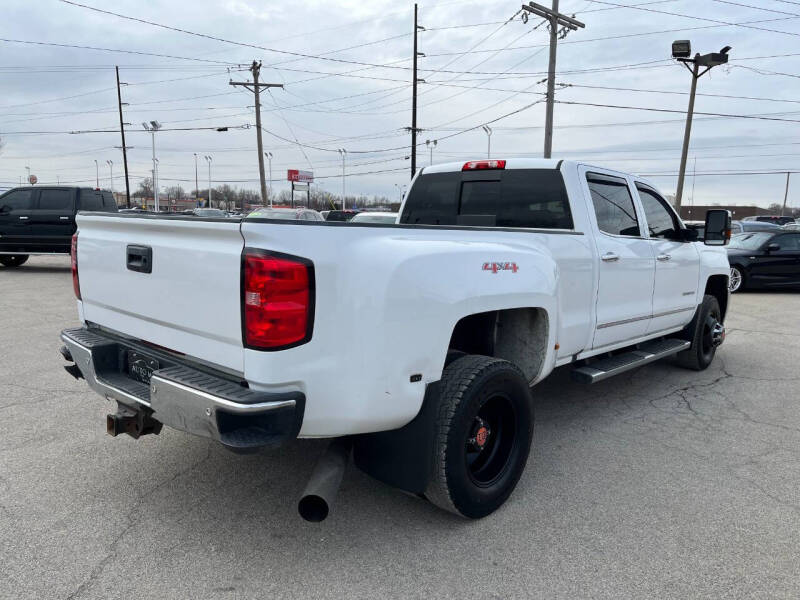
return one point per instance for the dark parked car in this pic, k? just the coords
(41, 219)
(764, 260)
(775, 219)
(748, 226)
(341, 215)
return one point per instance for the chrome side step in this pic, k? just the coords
(614, 365)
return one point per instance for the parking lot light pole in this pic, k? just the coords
(210, 194)
(681, 51)
(97, 174)
(110, 164)
(488, 131)
(431, 144)
(152, 127)
(196, 186)
(343, 152)
(269, 160)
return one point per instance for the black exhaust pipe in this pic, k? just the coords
(323, 485)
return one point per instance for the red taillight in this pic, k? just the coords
(73, 253)
(483, 165)
(277, 300)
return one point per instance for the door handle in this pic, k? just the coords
(64, 218)
(610, 257)
(663, 257)
(23, 218)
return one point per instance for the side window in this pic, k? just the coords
(613, 205)
(109, 203)
(661, 223)
(16, 200)
(433, 200)
(789, 242)
(90, 200)
(55, 200)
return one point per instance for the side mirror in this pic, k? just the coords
(773, 247)
(718, 227)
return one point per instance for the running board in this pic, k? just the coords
(614, 365)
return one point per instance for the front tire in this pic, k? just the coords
(483, 430)
(13, 260)
(736, 279)
(709, 333)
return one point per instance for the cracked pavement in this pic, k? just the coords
(658, 483)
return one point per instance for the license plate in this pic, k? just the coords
(141, 367)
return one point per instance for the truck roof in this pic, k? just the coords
(511, 163)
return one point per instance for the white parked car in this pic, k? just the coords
(414, 345)
(375, 217)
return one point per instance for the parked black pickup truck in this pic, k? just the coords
(41, 219)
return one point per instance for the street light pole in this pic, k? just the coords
(488, 131)
(343, 152)
(269, 160)
(29, 174)
(210, 193)
(152, 127)
(196, 186)
(97, 174)
(431, 144)
(110, 164)
(681, 50)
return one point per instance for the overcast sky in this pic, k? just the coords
(476, 68)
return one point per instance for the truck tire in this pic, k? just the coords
(13, 260)
(704, 343)
(483, 432)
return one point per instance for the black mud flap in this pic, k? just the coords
(402, 457)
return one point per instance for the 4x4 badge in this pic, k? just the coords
(494, 267)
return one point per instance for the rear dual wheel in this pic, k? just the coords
(13, 260)
(483, 435)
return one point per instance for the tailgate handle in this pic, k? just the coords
(140, 259)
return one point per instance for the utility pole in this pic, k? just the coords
(343, 152)
(269, 158)
(560, 25)
(255, 87)
(415, 80)
(786, 193)
(124, 148)
(681, 50)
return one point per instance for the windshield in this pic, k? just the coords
(749, 241)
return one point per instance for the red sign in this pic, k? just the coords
(296, 175)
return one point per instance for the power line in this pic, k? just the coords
(673, 14)
(672, 92)
(669, 110)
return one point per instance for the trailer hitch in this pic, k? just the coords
(135, 423)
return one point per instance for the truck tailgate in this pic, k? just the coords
(189, 302)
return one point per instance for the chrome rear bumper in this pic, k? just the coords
(183, 396)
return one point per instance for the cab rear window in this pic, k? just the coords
(528, 198)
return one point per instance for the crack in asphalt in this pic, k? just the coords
(111, 555)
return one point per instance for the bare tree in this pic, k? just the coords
(145, 189)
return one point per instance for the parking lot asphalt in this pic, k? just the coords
(660, 483)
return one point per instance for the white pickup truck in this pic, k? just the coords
(415, 343)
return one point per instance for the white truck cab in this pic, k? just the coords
(414, 343)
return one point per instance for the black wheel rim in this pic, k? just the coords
(490, 440)
(707, 340)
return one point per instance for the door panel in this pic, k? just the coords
(779, 267)
(675, 296)
(53, 219)
(15, 214)
(626, 268)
